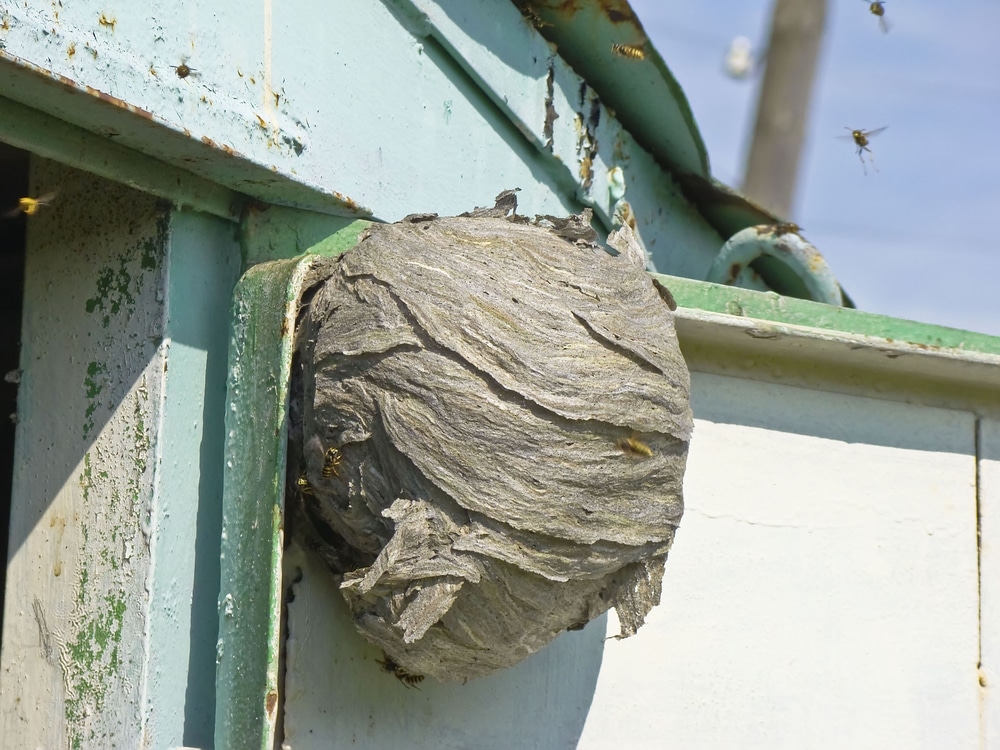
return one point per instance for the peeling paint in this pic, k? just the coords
(114, 480)
(94, 310)
(548, 129)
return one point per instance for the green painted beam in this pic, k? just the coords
(770, 306)
(264, 310)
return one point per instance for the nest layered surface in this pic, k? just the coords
(490, 423)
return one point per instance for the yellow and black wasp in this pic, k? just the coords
(407, 678)
(30, 206)
(861, 138)
(877, 8)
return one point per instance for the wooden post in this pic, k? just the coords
(783, 107)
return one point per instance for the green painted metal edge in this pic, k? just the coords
(770, 306)
(265, 305)
(341, 241)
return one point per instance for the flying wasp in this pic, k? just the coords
(30, 206)
(634, 446)
(629, 50)
(330, 463)
(861, 138)
(407, 678)
(877, 8)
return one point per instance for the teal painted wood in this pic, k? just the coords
(479, 103)
(264, 310)
(52, 138)
(203, 265)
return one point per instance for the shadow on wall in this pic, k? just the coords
(336, 694)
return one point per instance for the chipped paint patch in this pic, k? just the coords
(93, 384)
(119, 281)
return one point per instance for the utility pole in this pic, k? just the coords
(783, 106)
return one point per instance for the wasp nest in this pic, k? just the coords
(490, 420)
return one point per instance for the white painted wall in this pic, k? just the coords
(822, 590)
(822, 593)
(989, 510)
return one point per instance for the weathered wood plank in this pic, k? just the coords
(75, 627)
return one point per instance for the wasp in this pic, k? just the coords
(30, 206)
(634, 446)
(861, 138)
(533, 18)
(786, 227)
(330, 463)
(304, 487)
(877, 8)
(182, 70)
(629, 50)
(407, 678)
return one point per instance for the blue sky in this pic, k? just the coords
(920, 238)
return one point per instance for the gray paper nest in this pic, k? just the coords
(490, 421)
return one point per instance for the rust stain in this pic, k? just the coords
(616, 16)
(348, 202)
(97, 93)
(530, 14)
(616, 11)
(271, 702)
(120, 103)
(71, 49)
(221, 147)
(107, 22)
(586, 144)
(58, 523)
